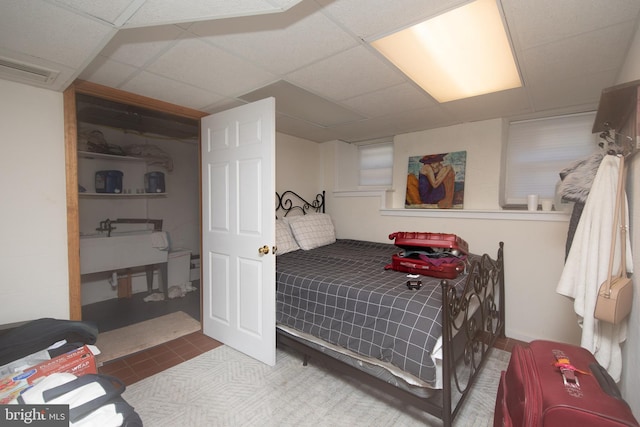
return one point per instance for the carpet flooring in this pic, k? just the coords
(223, 387)
(143, 335)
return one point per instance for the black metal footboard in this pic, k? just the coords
(472, 322)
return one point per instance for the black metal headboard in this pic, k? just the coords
(290, 201)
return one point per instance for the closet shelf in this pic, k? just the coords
(122, 195)
(92, 155)
(134, 171)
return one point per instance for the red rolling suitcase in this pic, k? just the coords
(431, 254)
(558, 385)
(445, 241)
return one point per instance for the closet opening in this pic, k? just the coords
(135, 163)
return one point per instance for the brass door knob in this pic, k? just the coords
(263, 250)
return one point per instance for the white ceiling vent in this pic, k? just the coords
(14, 70)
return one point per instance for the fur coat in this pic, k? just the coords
(576, 179)
(575, 184)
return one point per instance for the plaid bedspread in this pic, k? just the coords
(342, 294)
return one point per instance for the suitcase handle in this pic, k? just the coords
(112, 386)
(607, 384)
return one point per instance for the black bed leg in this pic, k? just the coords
(305, 360)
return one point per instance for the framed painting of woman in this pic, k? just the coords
(436, 181)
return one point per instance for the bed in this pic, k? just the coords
(336, 303)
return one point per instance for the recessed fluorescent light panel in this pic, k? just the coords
(462, 53)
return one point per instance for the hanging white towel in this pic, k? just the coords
(587, 265)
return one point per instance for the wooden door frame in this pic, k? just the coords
(71, 168)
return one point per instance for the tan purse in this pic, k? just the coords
(615, 295)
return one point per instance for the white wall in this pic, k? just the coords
(630, 383)
(298, 165)
(483, 143)
(33, 221)
(534, 244)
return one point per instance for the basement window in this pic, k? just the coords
(376, 164)
(537, 150)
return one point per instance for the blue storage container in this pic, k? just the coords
(109, 181)
(154, 182)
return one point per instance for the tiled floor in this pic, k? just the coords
(141, 365)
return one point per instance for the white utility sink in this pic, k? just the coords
(122, 250)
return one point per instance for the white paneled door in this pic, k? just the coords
(238, 225)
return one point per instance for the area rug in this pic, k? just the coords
(141, 336)
(226, 388)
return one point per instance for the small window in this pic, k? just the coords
(376, 164)
(537, 150)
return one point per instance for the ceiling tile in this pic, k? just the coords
(594, 51)
(137, 46)
(402, 97)
(421, 119)
(577, 90)
(368, 18)
(156, 12)
(533, 23)
(303, 129)
(299, 103)
(223, 105)
(33, 27)
(367, 129)
(108, 11)
(168, 90)
(209, 67)
(347, 74)
(284, 4)
(308, 37)
(107, 72)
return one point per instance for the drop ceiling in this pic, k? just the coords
(313, 56)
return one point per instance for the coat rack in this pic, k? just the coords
(617, 143)
(618, 118)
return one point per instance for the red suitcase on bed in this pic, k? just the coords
(445, 270)
(558, 385)
(412, 240)
(439, 255)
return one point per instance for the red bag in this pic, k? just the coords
(430, 254)
(555, 384)
(426, 267)
(412, 240)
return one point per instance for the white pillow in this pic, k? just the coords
(284, 239)
(313, 230)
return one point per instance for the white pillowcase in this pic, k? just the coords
(284, 239)
(313, 230)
